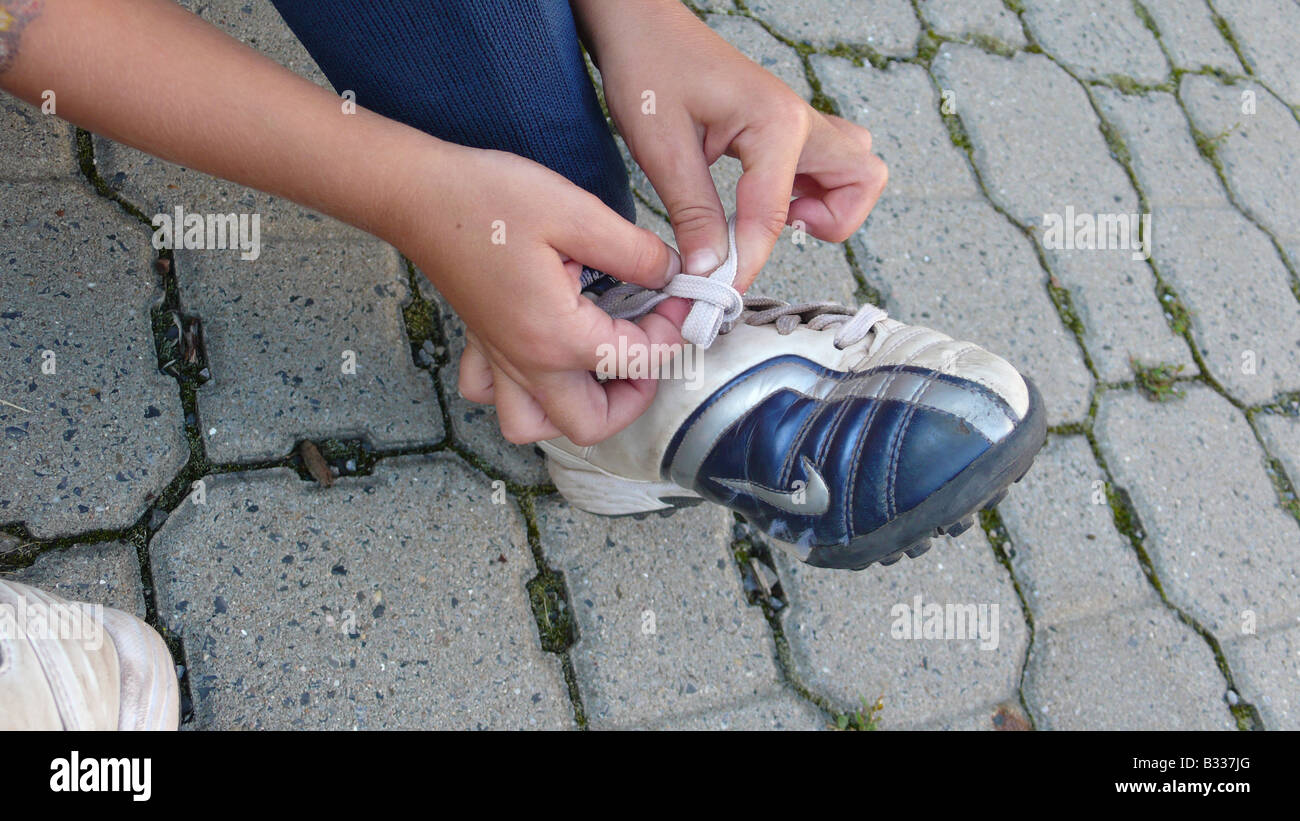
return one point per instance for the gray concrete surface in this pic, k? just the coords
(1145, 574)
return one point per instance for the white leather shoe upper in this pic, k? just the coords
(73, 666)
(637, 451)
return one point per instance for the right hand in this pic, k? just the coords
(533, 338)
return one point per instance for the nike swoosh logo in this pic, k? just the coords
(812, 499)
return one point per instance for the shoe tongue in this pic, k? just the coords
(595, 282)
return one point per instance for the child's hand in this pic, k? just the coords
(503, 244)
(711, 100)
(233, 113)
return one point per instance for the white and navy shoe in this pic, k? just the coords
(847, 437)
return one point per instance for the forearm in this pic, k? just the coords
(151, 75)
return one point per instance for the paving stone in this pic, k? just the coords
(395, 600)
(748, 35)
(1267, 669)
(664, 629)
(1267, 32)
(963, 269)
(1282, 433)
(102, 435)
(1003, 716)
(475, 425)
(1131, 670)
(107, 573)
(1097, 38)
(1190, 36)
(901, 108)
(1260, 152)
(1068, 557)
(1201, 252)
(841, 629)
(783, 711)
(1168, 167)
(34, 145)
(277, 331)
(974, 20)
(885, 26)
(1218, 539)
(809, 270)
(1036, 138)
(1247, 327)
(1115, 298)
(1037, 142)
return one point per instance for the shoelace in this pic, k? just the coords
(718, 306)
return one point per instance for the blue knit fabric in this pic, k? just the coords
(501, 74)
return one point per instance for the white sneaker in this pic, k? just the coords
(847, 437)
(75, 666)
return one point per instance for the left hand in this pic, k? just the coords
(711, 100)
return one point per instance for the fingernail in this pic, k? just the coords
(674, 262)
(702, 262)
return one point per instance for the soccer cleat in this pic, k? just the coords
(847, 437)
(73, 666)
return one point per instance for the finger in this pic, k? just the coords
(678, 169)
(770, 157)
(674, 309)
(839, 179)
(596, 236)
(521, 418)
(605, 336)
(475, 380)
(588, 411)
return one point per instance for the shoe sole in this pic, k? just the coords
(949, 511)
(589, 488)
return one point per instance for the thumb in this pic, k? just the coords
(596, 236)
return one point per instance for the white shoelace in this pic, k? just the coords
(718, 306)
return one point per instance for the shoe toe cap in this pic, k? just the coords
(926, 348)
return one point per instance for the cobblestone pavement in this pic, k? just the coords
(1145, 574)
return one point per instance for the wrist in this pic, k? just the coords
(603, 25)
(387, 180)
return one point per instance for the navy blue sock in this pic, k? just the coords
(481, 73)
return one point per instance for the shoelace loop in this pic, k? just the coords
(716, 299)
(718, 306)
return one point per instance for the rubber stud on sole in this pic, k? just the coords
(917, 549)
(958, 528)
